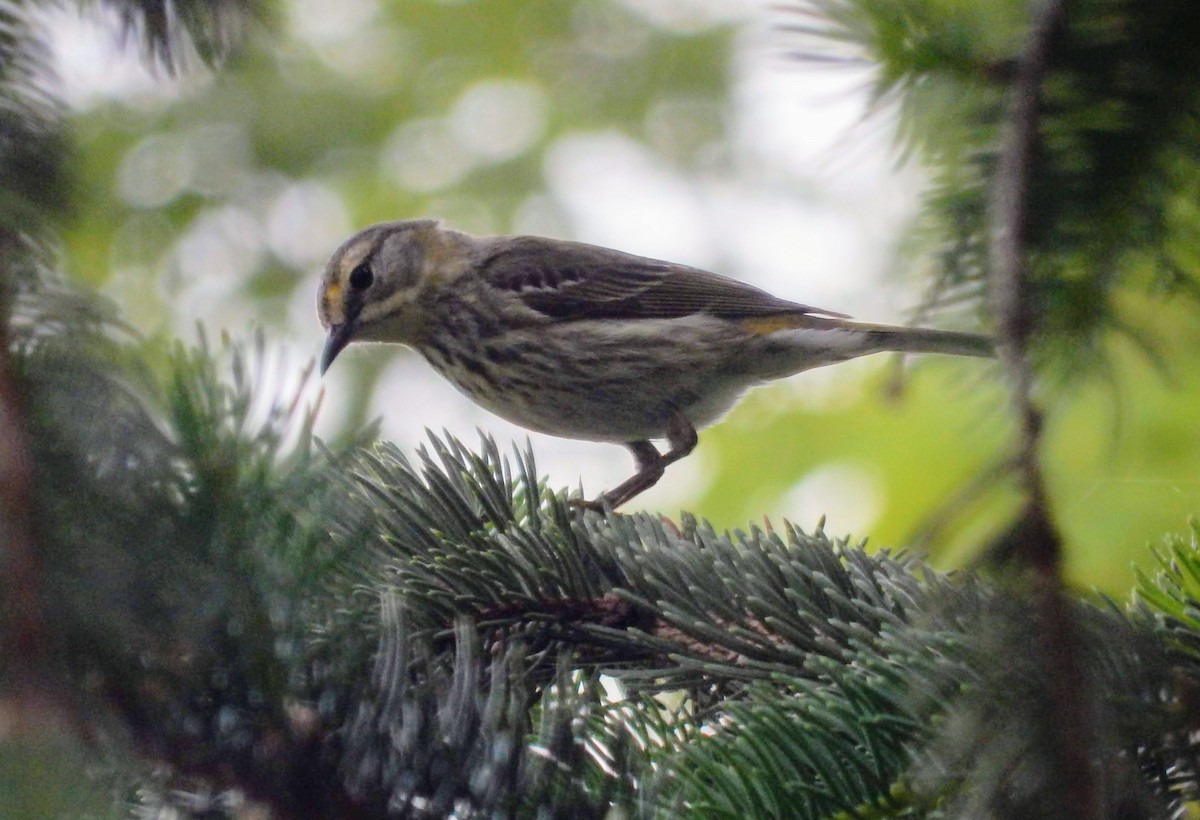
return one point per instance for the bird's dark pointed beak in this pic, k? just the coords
(339, 337)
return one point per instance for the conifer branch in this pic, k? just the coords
(168, 32)
(32, 167)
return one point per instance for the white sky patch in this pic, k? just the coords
(412, 396)
(807, 119)
(803, 250)
(94, 66)
(222, 245)
(802, 133)
(850, 496)
(321, 23)
(688, 16)
(212, 263)
(619, 195)
(350, 38)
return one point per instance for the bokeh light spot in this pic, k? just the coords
(499, 119)
(850, 496)
(423, 156)
(305, 222)
(155, 171)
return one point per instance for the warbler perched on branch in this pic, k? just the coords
(585, 342)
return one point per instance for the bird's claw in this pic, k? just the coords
(600, 505)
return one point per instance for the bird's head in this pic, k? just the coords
(370, 287)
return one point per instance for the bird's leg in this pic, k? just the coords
(651, 465)
(682, 437)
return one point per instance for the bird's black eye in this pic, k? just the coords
(361, 277)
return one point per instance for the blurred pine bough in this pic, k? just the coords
(214, 615)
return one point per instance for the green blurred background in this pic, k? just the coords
(680, 129)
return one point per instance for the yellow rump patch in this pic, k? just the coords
(770, 324)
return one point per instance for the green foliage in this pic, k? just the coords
(443, 647)
(820, 751)
(435, 734)
(1172, 595)
(1114, 165)
(52, 777)
(32, 148)
(174, 499)
(817, 669)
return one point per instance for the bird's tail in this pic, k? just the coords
(924, 340)
(816, 341)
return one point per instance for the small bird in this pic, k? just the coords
(585, 342)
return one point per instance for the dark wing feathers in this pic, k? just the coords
(570, 280)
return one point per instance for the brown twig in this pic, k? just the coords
(23, 638)
(1039, 542)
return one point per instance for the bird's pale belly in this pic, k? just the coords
(606, 390)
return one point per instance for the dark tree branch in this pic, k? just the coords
(1038, 542)
(24, 644)
(1009, 218)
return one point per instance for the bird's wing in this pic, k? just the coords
(568, 281)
